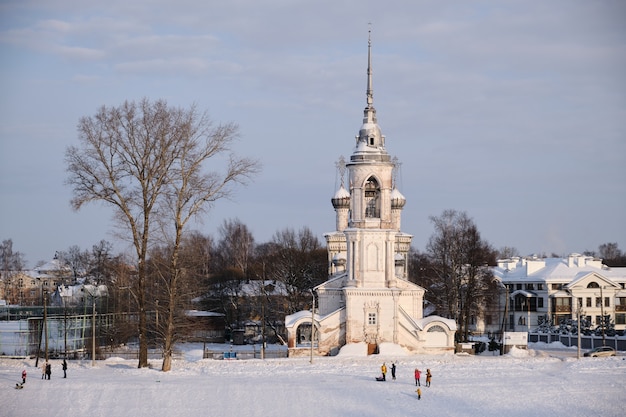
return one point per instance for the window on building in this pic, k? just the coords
(598, 302)
(371, 319)
(372, 198)
(530, 287)
(607, 301)
(593, 284)
(598, 320)
(518, 286)
(539, 302)
(620, 318)
(588, 304)
(556, 286)
(540, 287)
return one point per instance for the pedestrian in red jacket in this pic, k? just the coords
(24, 376)
(417, 377)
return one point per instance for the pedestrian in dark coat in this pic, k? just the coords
(428, 377)
(393, 371)
(64, 369)
(48, 370)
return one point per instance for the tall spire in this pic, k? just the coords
(370, 92)
(369, 115)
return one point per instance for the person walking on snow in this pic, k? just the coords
(43, 370)
(383, 369)
(428, 376)
(64, 369)
(419, 393)
(24, 376)
(418, 374)
(48, 370)
(393, 371)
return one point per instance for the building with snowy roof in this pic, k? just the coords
(536, 289)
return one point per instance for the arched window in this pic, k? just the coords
(593, 284)
(372, 198)
(436, 328)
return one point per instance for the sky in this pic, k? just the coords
(513, 112)
(542, 381)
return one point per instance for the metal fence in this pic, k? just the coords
(586, 342)
(247, 354)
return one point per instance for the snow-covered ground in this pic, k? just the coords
(539, 382)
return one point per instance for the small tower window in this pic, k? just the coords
(371, 141)
(372, 198)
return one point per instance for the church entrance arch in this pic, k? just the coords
(304, 335)
(436, 336)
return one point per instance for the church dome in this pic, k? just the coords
(397, 199)
(341, 198)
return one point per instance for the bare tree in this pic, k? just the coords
(612, 255)
(236, 246)
(78, 261)
(460, 263)
(190, 190)
(145, 160)
(507, 252)
(299, 261)
(11, 263)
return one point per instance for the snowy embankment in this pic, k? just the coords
(522, 383)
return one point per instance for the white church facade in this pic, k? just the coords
(368, 298)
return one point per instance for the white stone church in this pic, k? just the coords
(368, 298)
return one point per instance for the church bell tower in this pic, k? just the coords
(369, 211)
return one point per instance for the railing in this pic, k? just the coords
(242, 355)
(586, 342)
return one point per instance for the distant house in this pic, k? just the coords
(27, 288)
(206, 326)
(556, 288)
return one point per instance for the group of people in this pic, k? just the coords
(46, 370)
(383, 369)
(418, 376)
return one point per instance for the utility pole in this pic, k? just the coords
(312, 322)
(93, 332)
(45, 322)
(578, 313)
(602, 319)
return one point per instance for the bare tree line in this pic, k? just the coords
(159, 166)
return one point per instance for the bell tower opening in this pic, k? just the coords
(372, 198)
